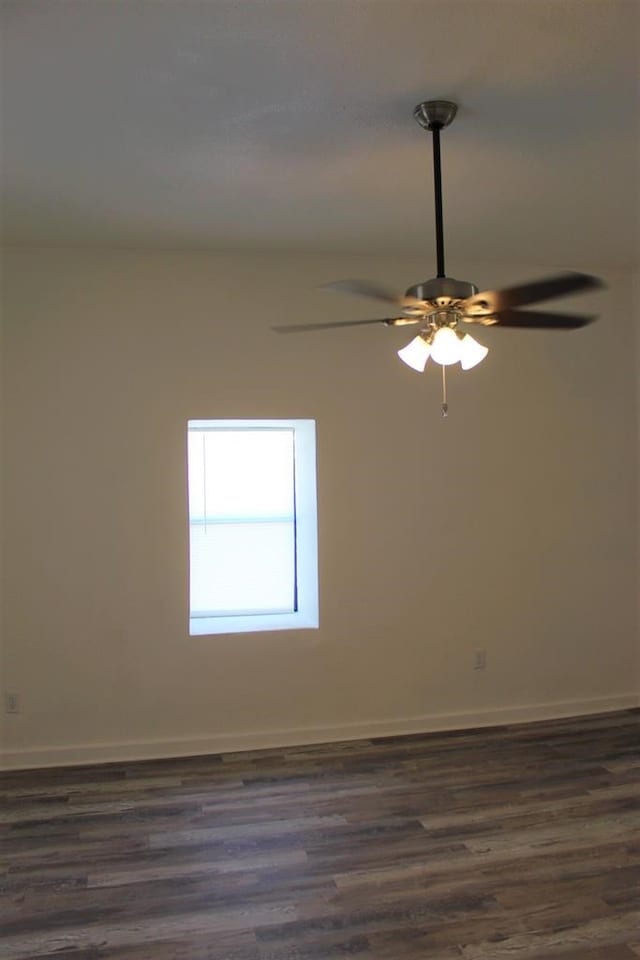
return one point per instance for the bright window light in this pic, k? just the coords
(252, 525)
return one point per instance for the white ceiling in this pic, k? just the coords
(286, 125)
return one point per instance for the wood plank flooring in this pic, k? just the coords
(518, 842)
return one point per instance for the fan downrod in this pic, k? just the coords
(435, 114)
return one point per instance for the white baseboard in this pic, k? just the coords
(58, 756)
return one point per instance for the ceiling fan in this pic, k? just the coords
(443, 306)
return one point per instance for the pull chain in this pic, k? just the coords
(445, 405)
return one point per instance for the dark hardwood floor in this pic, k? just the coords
(515, 842)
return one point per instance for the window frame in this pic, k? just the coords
(306, 615)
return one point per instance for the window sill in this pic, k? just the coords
(205, 626)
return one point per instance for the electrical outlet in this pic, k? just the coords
(12, 703)
(480, 660)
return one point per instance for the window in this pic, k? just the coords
(252, 525)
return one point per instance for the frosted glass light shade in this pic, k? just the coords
(447, 347)
(416, 353)
(472, 352)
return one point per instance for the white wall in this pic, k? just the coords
(510, 526)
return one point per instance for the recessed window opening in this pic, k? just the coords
(252, 525)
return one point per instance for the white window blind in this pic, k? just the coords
(252, 525)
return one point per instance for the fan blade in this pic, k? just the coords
(366, 288)
(302, 327)
(492, 301)
(533, 319)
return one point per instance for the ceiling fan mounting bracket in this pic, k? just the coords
(435, 114)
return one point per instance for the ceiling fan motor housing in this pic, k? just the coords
(445, 287)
